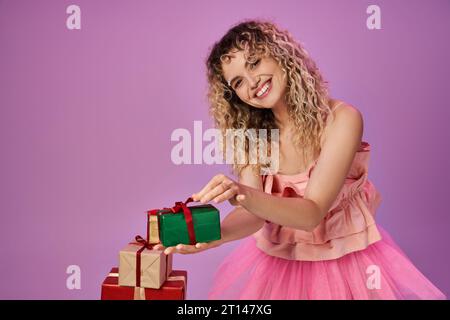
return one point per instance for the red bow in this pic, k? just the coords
(144, 242)
(179, 206)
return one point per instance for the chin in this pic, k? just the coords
(268, 102)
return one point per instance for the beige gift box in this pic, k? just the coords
(154, 270)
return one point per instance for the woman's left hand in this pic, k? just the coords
(221, 188)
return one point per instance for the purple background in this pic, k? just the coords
(86, 118)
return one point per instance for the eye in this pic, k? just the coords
(256, 63)
(237, 84)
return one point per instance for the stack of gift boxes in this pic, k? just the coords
(145, 273)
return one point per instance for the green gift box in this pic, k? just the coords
(173, 228)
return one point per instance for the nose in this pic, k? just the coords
(253, 82)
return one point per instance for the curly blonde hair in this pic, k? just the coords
(306, 93)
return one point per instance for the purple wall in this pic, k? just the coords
(86, 118)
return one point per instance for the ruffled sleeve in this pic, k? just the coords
(349, 225)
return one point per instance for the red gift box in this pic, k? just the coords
(174, 288)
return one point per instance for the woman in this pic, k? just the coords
(312, 223)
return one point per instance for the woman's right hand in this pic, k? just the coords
(188, 249)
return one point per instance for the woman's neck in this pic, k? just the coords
(282, 118)
(281, 115)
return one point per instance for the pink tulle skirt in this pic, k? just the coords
(381, 271)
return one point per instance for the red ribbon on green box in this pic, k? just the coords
(179, 206)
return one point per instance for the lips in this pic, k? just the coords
(260, 87)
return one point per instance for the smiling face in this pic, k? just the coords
(261, 84)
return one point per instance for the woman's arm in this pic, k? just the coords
(240, 223)
(325, 183)
(323, 186)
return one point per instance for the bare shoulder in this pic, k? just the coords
(344, 109)
(349, 115)
(346, 118)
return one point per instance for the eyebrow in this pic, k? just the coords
(234, 78)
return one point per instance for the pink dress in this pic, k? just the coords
(348, 256)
